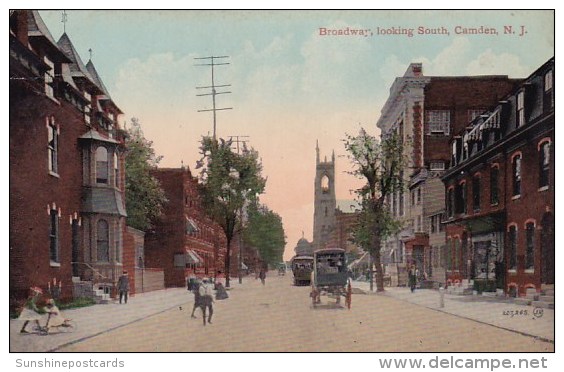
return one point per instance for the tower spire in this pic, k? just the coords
(317, 150)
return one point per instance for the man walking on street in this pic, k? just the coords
(196, 290)
(206, 299)
(123, 287)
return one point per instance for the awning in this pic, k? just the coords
(192, 257)
(191, 226)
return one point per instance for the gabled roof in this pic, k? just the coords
(37, 28)
(77, 67)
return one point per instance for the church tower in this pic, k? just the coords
(324, 220)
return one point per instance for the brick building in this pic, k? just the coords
(185, 241)
(67, 211)
(425, 111)
(500, 191)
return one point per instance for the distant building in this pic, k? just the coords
(185, 242)
(67, 209)
(426, 111)
(325, 202)
(500, 191)
(304, 248)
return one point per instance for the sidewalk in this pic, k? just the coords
(496, 312)
(97, 319)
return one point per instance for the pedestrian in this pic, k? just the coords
(412, 278)
(30, 312)
(196, 291)
(262, 276)
(206, 299)
(221, 293)
(123, 287)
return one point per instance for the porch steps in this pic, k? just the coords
(465, 287)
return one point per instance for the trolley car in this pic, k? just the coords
(301, 268)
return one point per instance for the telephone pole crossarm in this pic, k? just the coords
(213, 87)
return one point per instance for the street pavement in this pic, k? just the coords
(502, 313)
(279, 317)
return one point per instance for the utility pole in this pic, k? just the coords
(237, 140)
(214, 92)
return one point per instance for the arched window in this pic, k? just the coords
(116, 170)
(325, 184)
(516, 175)
(101, 165)
(103, 240)
(544, 164)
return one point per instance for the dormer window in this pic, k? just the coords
(520, 108)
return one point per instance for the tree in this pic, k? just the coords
(265, 232)
(381, 164)
(144, 198)
(228, 179)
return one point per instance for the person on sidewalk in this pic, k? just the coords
(206, 299)
(196, 290)
(221, 293)
(412, 278)
(262, 276)
(123, 287)
(30, 312)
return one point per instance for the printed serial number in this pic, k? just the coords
(512, 313)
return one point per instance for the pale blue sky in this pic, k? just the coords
(291, 86)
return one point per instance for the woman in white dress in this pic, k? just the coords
(30, 311)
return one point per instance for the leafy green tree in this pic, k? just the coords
(265, 232)
(228, 179)
(144, 198)
(380, 164)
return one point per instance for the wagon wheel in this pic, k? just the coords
(348, 296)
